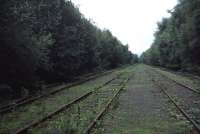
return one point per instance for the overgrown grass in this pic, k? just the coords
(186, 80)
(40, 108)
(136, 119)
(79, 116)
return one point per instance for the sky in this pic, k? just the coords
(133, 22)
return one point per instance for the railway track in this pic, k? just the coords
(54, 85)
(30, 99)
(62, 108)
(187, 74)
(193, 121)
(102, 112)
(50, 115)
(176, 82)
(75, 101)
(179, 106)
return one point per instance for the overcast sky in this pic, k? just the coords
(133, 22)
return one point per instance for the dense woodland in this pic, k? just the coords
(177, 40)
(48, 41)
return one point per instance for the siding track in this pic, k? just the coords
(181, 107)
(176, 82)
(82, 97)
(27, 100)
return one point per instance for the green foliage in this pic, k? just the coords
(51, 41)
(177, 39)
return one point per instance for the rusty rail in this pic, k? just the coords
(100, 114)
(178, 83)
(28, 100)
(187, 116)
(50, 115)
(62, 108)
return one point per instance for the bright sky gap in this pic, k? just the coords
(133, 22)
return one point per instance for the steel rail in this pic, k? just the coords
(28, 100)
(100, 114)
(176, 82)
(62, 108)
(50, 115)
(187, 116)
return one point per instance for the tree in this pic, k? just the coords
(177, 39)
(46, 41)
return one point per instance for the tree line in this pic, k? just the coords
(45, 41)
(177, 40)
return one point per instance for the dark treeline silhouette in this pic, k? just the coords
(177, 40)
(45, 41)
